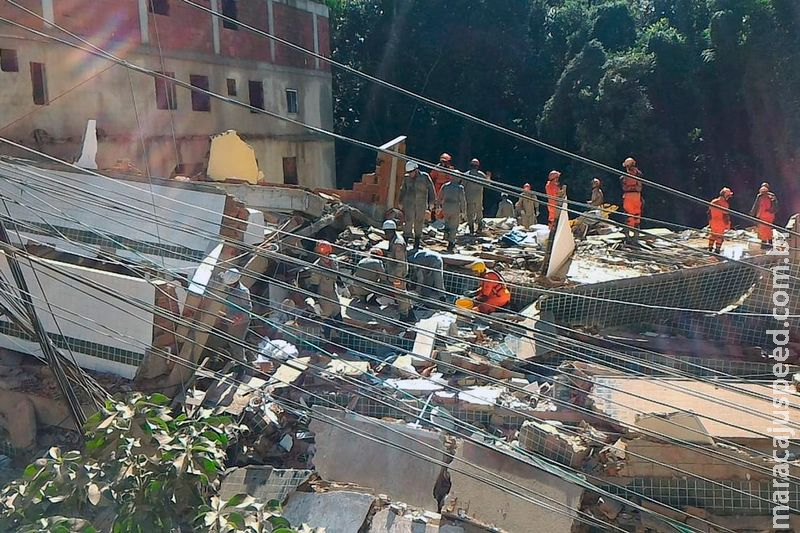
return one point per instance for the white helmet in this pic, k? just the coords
(231, 276)
(411, 166)
(389, 224)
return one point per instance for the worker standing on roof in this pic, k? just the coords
(632, 192)
(527, 206)
(598, 198)
(454, 206)
(505, 209)
(492, 293)
(556, 192)
(236, 314)
(416, 195)
(439, 177)
(765, 208)
(427, 273)
(397, 268)
(324, 275)
(370, 274)
(473, 188)
(719, 220)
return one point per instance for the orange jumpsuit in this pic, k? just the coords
(764, 210)
(632, 198)
(439, 178)
(552, 189)
(493, 293)
(718, 221)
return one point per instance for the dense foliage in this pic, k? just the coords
(143, 469)
(703, 93)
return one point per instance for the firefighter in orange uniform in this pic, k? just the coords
(765, 208)
(438, 177)
(632, 193)
(493, 293)
(719, 219)
(554, 191)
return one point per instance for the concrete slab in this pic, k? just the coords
(504, 510)
(346, 456)
(263, 483)
(387, 521)
(337, 512)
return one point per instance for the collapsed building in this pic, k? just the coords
(621, 391)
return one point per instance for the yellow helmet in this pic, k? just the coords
(479, 267)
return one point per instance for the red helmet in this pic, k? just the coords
(323, 248)
(445, 157)
(554, 175)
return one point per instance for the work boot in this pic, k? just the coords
(472, 229)
(718, 250)
(710, 247)
(416, 243)
(451, 247)
(769, 244)
(764, 245)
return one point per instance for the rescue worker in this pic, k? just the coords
(719, 220)
(427, 273)
(632, 193)
(370, 269)
(556, 192)
(492, 293)
(397, 268)
(236, 315)
(323, 279)
(416, 195)
(598, 198)
(505, 209)
(765, 208)
(473, 189)
(454, 205)
(527, 207)
(438, 177)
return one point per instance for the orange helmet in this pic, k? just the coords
(554, 175)
(726, 192)
(527, 186)
(628, 163)
(323, 248)
(445, 157)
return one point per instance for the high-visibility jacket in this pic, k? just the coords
(439, 178)
(493, 292)
(553, 191)
(631, 184)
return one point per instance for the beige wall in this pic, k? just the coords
(110, 96)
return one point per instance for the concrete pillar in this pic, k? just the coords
(215, 26)
(47, 11)
(271, 28)
(316, 39)
(144, 22)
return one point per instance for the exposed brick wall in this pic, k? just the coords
(324, 34)
(243, 43)
(104, 21)
(295, 26)
(185, 28)
(17, 15)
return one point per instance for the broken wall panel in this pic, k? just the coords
(173, 224)
(606, 305)
(105, 334)
(730, 498)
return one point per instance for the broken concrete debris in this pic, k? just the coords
(358, 422)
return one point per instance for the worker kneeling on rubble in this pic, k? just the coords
(492, 293)
(236, 315)
(371, 270)
(427, 273)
